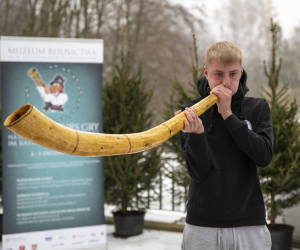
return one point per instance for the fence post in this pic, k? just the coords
(160, 189)
(185, 197)
(148, 198)
(173, 192)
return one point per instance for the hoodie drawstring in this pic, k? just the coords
(240, 111)
(209, 130)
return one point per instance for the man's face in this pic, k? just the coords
(228, 75)
(56, 87)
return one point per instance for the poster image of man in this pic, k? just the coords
(52, 94)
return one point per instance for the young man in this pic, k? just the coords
(223, 149)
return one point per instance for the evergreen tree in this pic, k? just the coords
(280, 181)
(126, 110)
(1, 157)
(180, 95)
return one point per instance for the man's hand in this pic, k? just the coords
(193, 123)
(224, 103)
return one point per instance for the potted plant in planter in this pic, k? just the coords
(129, 179)
(280, 180)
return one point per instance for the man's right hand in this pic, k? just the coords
(193, 123)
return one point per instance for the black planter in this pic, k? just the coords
(129, 224)
(281, 236)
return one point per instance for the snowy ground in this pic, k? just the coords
(153, 214)
(149, 239)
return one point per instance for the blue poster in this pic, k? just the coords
(49, 198)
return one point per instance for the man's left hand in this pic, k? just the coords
(224, 103)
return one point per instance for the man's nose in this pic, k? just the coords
(226, 81)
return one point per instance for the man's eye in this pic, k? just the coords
(233, 74)
(218, 74)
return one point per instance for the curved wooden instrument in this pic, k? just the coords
(34, 126)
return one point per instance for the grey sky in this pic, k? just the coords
(287, 12)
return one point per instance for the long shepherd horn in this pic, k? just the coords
(34, 126)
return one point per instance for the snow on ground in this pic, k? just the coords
(153, 214)
(163, 215)
(149, 239)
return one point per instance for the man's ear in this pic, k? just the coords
(205, 71)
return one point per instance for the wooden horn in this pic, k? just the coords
(34, 126)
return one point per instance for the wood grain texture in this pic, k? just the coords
(34, 126)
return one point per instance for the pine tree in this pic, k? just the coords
(126, 110)
(1, 158)
(180, 95)
(280, 181)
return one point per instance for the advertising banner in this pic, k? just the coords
(52, 200)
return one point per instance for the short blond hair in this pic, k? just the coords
(224, 52)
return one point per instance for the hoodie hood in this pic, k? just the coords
(236, 102)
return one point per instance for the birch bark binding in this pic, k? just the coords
(31, 124)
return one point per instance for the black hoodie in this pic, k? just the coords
(224, 190)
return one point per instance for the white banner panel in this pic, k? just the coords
(87, 238)
(52, 200)
(26, 49)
